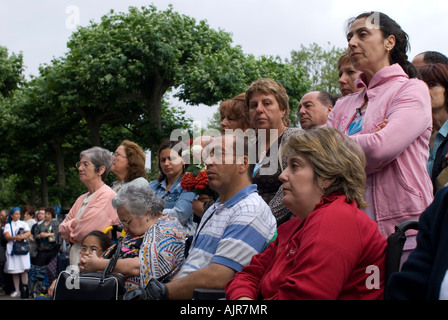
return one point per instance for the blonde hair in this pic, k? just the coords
(333, 156)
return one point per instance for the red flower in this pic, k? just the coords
(197, 184)
(188, 181)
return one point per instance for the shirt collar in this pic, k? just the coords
(385, 73)
(163, 182)
(444, 129)
(240, 195)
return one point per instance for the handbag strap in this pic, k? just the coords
(113, 261)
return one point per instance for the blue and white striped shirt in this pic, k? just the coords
(238, 229)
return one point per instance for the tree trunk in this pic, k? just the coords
(43, 184)
(59, 160)
(94, 128)
(153, 104)
(60, 173)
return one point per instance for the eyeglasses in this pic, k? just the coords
(85, 164)
(116, 155)
(124, 224)
(85, 249)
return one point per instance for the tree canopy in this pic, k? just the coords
(111, 85)
(320, 64)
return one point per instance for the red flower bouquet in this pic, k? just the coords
(195, 178)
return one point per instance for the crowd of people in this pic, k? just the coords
(305, 216)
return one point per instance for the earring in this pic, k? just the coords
(322, 188)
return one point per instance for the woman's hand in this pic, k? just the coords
(44, 235)
(382, 125)
(19, 237)
(74, 223)
(51, 289)
(198, 204)
(198, 207)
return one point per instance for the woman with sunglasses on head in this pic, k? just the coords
(93, 210)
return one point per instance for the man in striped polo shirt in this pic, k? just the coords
(239, 224)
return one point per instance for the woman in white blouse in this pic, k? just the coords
(17, 265)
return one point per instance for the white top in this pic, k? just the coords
(14, 263)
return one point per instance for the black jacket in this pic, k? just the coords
(423, 272)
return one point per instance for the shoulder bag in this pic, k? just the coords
(20, 248)
(104, 285)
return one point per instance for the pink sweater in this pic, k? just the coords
(396, 155)
(98, 215)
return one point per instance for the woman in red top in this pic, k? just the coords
(331, 249)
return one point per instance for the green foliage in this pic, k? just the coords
(110, 86)
(320, 65)
(11, 69)
(8, 197)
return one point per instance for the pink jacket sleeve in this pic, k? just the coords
(409, 117)
(98, 215)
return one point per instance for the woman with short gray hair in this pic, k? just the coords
(99, 157)
(139, 201)
(92, 210)
(153, 246)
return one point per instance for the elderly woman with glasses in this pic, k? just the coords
(153, 246)
(92, 210)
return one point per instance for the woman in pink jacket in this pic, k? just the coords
(92, 210)
(398, 186)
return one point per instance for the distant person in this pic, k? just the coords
(347, 75)
(3, 219)
(314, 108)
(47, 238)
(436, 77)
(28, 216)
(17, 265)
(398, 185)
(428, 57)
